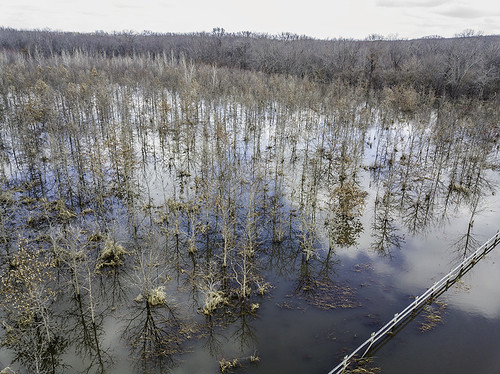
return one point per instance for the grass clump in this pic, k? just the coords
(157, 296)
(225, 365)
(111, 255)
(213, 300)
(363, 365)
(64, 213)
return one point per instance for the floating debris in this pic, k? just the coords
(362, 268)
(327, 295)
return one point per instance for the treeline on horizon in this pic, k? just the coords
(467, 65)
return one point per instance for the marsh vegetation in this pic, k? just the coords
(153, 205)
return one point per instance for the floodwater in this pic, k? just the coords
(328, 228)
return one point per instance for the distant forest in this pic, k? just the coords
(467, 66)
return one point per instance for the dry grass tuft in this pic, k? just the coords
(111, 254)
(363, 366)
(157, 296)
(225, 365)
(213, 300)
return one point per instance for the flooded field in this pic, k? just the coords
(158, 216)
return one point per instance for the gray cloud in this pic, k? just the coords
(466, 12)
(411, 3)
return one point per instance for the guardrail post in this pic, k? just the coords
(395, 320)
(346, 362)
(372, 340)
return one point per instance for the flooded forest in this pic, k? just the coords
(245, 203)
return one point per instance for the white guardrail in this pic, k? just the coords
(420, 301)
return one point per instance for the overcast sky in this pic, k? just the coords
(316, 18)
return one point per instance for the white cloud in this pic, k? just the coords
(411, 3)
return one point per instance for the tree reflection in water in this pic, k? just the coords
(154, 334)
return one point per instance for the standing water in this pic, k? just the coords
(152, 228)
